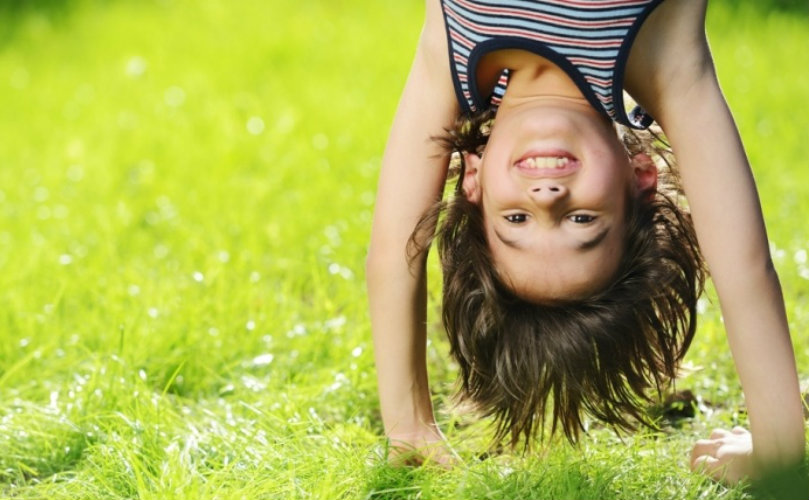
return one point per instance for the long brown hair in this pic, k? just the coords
(523, 363)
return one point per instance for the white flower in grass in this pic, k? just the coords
(263, 359)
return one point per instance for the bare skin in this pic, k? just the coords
(711, 455)
(553, 183)
(669, 66)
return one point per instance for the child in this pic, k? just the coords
(569, 271)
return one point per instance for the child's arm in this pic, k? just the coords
(413, 173)
(684, 96)
(727, 216)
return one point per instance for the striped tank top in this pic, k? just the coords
(588, 39)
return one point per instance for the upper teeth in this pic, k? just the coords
(545, 162)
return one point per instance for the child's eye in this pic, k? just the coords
(582, 218)
(516, 218)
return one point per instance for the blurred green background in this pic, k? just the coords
(186, 189)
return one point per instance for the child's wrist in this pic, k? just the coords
(412, 429)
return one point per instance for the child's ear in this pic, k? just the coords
(471, 187)
(644, 173)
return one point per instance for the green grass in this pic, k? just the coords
(186, 190)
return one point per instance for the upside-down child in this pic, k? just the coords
(571, 267)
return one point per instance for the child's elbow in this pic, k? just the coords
(373, 264)
(760, 275)
(384, 265)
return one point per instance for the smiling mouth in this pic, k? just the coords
(544, 162)
(547, 164)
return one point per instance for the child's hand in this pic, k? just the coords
(727, 456)
(419, 448)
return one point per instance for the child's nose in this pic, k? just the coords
(548, 193)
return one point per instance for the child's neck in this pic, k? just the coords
(531, 77)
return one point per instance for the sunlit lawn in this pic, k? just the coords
(186, 190)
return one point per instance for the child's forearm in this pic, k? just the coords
(398, 324)
(759, 339)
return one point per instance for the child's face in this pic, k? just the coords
(553, 183)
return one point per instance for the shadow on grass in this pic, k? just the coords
(788, 482)
(15, 13)
(33, 466)
(797, 6)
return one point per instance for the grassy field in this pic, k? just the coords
(186, 190)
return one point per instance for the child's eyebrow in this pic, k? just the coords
(582, 247)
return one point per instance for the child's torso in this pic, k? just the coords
(588, 39)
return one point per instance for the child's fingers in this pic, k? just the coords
(441, 455)
(415, 453)
(708, 465)
(405, 459)
(726, 458)
(704, 447)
